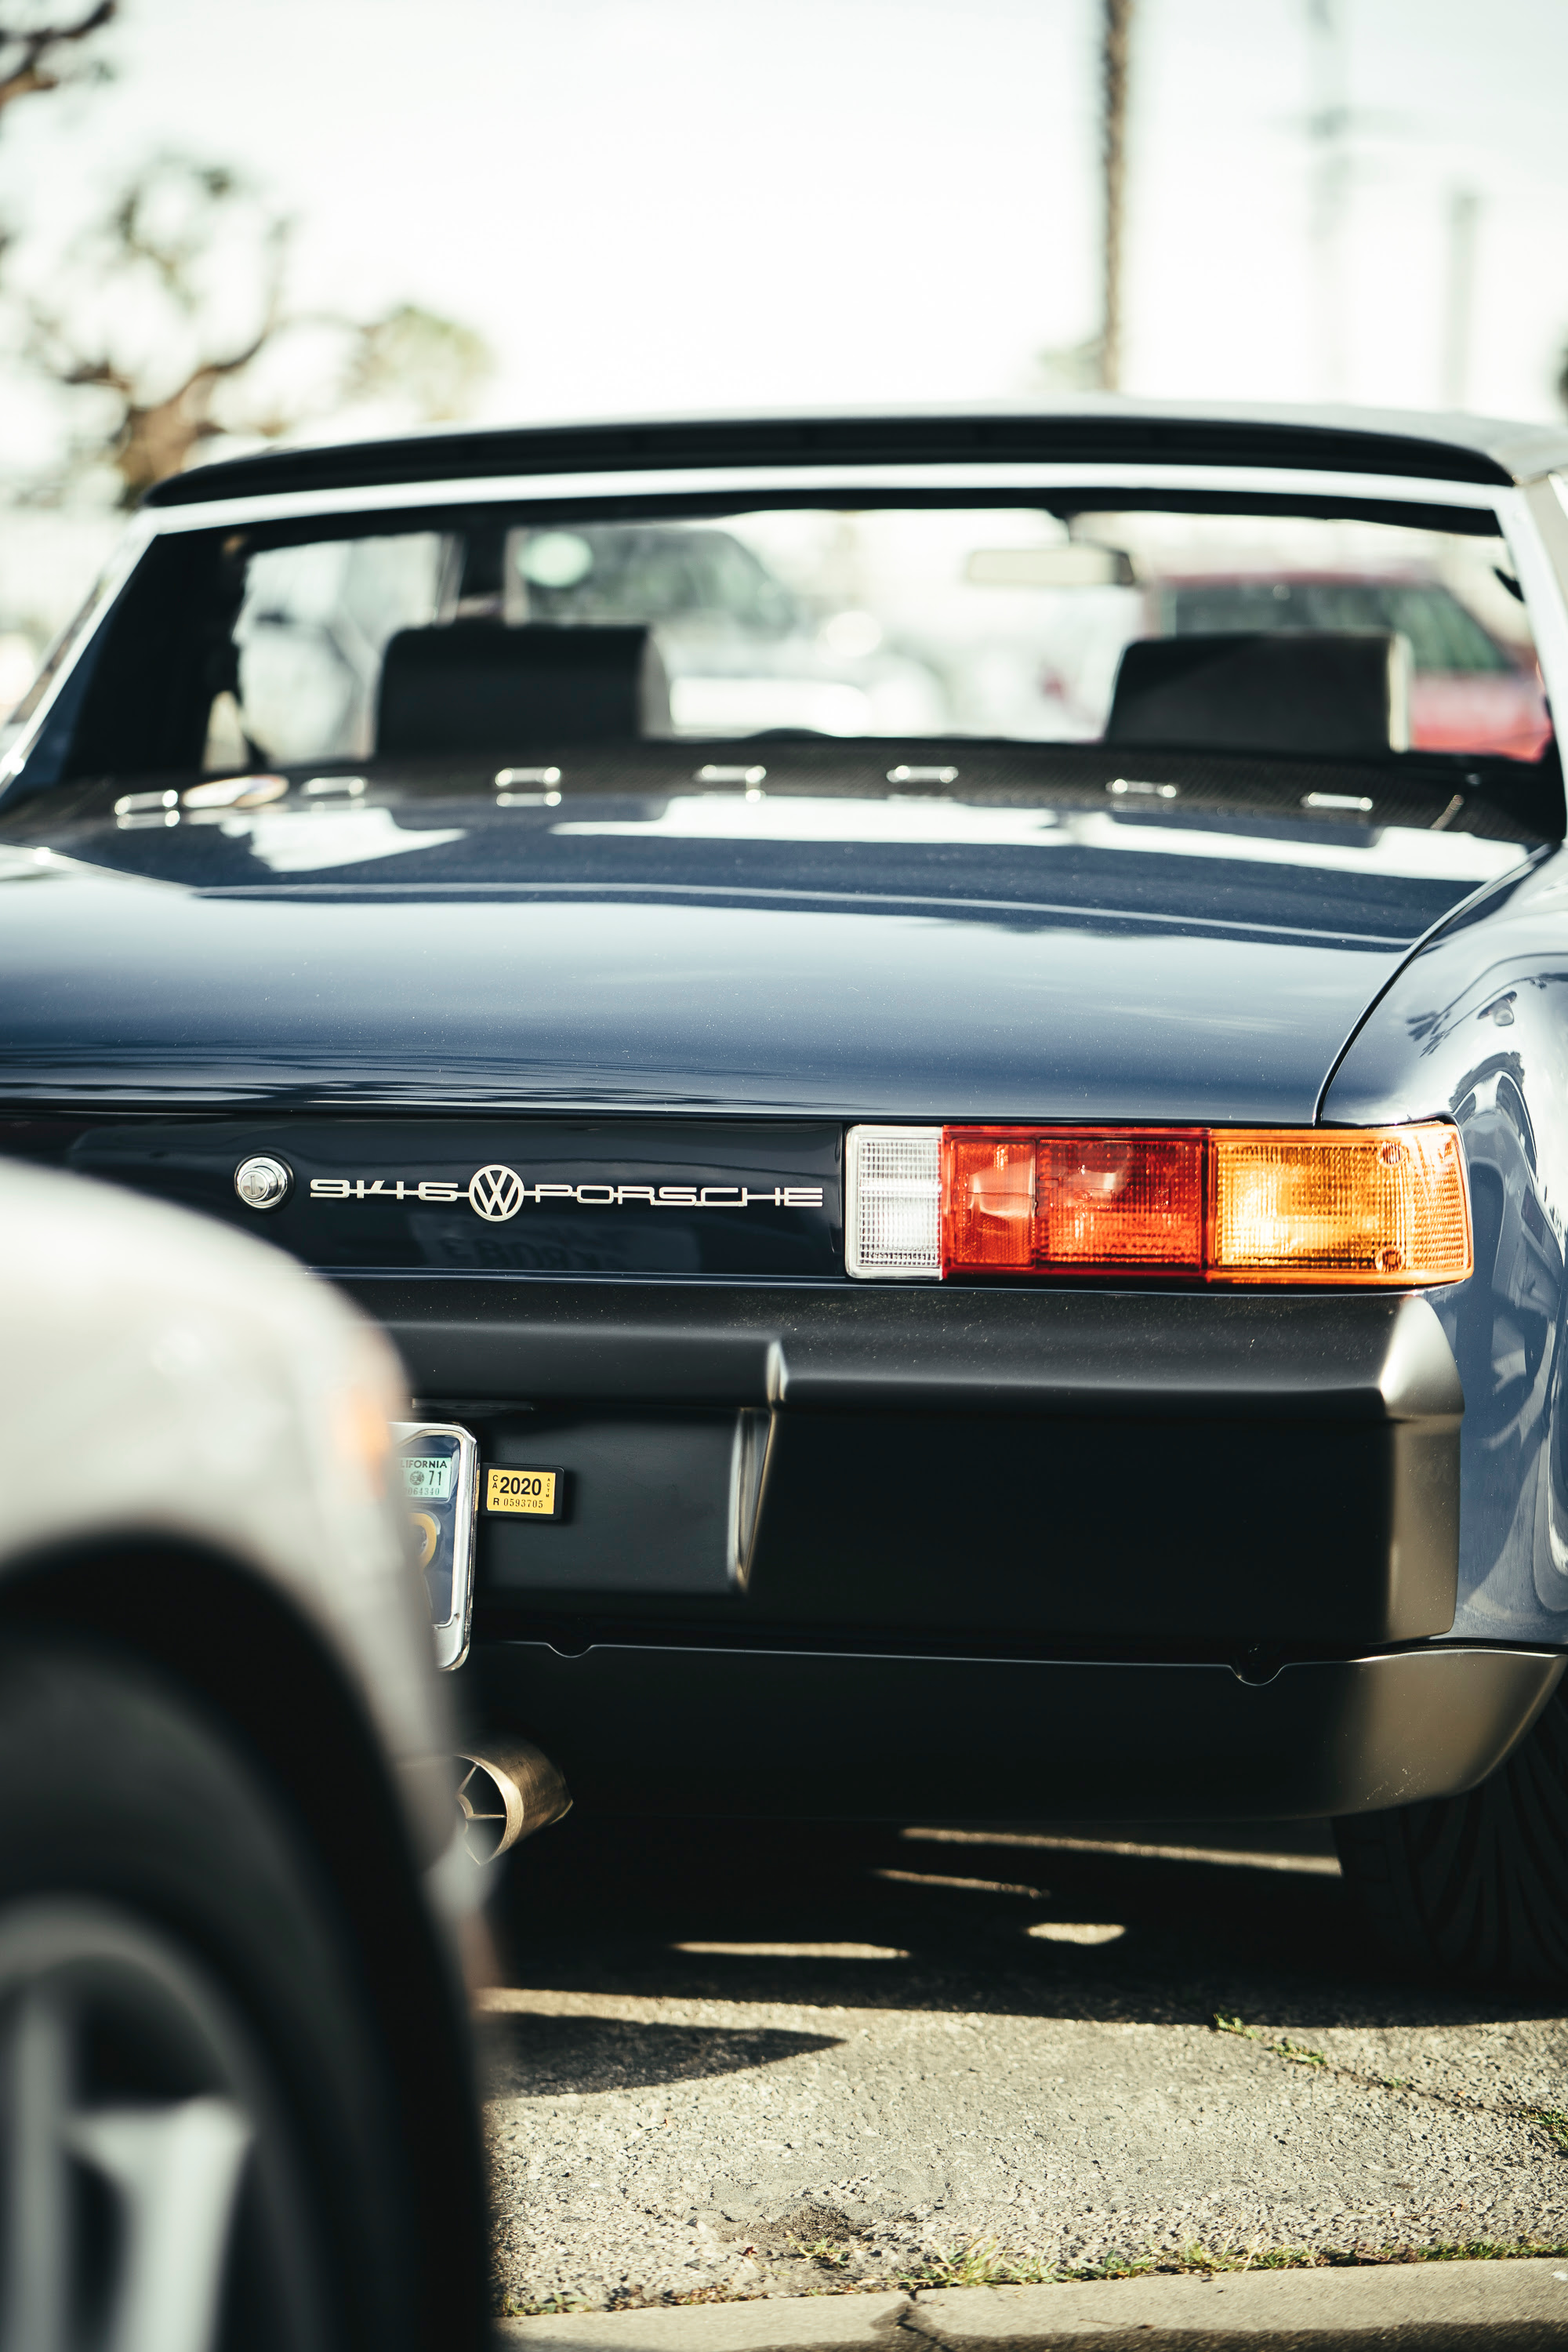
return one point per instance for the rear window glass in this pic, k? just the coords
(512, 632)
(308, 638)
(1445, 635)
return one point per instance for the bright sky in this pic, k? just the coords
(652, 204)
(665, 204)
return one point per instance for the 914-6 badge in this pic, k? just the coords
(496, 1193)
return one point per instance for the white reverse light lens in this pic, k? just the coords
(892, 1227)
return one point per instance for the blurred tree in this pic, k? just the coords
(1061, 368)
(43, 54)
(168, 321)
(415, 356)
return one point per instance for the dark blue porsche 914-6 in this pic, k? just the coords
(943, 1040)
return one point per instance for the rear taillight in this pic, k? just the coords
(1079, 1200)
(1381, 1205)
(1386, 1205)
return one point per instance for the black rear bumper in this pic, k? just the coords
(1121, 1473)
(1011, 1551)
(742, 1733)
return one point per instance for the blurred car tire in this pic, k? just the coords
(186, 2057)
(1474, 1886)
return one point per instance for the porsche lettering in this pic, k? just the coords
(496, 1193)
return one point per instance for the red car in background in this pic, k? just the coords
(1470, 690)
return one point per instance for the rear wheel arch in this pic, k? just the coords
(233, 1642)
(1474, 1887)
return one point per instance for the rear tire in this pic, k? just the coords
(1474, 1887)
(173, 1961)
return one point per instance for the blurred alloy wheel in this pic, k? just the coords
(151, 2196)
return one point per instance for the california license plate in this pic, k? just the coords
(438, 1462)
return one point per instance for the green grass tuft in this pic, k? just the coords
(983, 2264)
(979, 2263)
(1295, 2053)
(831, 2254)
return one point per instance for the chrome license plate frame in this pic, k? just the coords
(441, 1513)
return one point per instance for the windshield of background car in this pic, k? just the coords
(300, 643)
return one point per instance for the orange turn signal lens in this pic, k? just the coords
(1387, 1205)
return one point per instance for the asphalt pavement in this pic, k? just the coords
(764, 2060)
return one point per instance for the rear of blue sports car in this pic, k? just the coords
(959, 1123)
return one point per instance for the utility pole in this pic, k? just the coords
(1116, 25)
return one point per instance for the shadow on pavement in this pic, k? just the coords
(533, 2056)
(1123, 1924)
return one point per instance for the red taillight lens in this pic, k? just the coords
(1120, 1200)
(988, 1199)
(1386, 1205)
(1086, 1200)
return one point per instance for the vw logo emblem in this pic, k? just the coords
(496, 1193)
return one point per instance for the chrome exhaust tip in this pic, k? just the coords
(506, 1796)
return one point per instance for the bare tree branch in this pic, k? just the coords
(33, 69)
(141, 313)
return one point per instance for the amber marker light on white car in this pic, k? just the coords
(1385, 1206)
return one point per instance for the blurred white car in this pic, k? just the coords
(235, 2105)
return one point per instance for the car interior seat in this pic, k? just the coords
(1334, 692)
(481, 685)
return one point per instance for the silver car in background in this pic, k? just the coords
(235, 2098)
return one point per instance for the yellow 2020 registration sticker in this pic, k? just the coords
(532, 1492)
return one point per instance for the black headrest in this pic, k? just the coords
(479, 686)
(1344, 692)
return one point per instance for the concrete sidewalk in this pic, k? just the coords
(831, 2056)
(1430, 2306)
